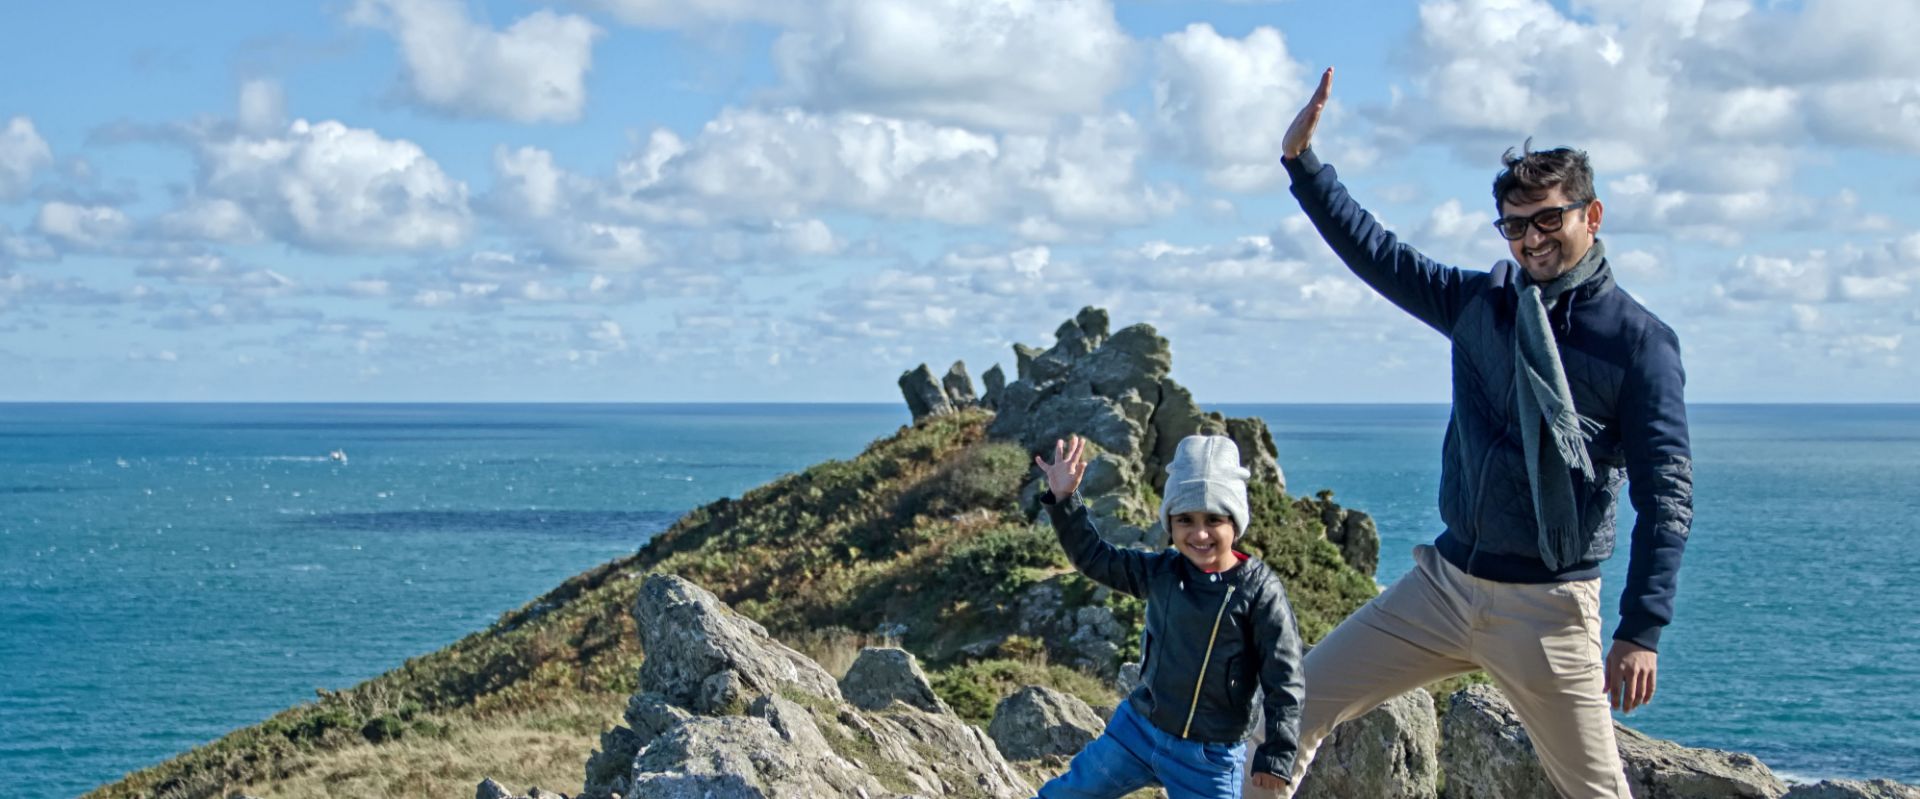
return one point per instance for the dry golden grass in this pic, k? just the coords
(546, 748)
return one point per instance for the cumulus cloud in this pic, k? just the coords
(1227, 102)
(84, 228)
(997, 64)
(210, 219)
(328, 187)
(1882, 274)
(534, 71)
(22, 153)
(791, 164)
(1714, 101)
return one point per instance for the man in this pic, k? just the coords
(1561, 382)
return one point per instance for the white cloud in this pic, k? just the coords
(1875, 279)
(22, 153)
(1227, 102)
(791, 164)
(534, 71)
(1759, 278)
(215, 271)
(1002, 64)
(85, 228)
(1717, 102)
(210, 219)
(528, 185)
(602, 245)
(329, 187)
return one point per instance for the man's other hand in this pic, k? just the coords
(1632, 672)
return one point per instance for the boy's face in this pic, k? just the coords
(1205, 538)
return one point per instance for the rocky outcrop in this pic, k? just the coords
(958, 385)
(1114, 390)
(1659, 769)
(1389, 753)
(1484, 751)
(1037, 722)
(726, 712)
(1352, 531)
(996, 380)
(707, 659)
(880, 677)
(1087, 637)
(924, 394)
(1854, 789)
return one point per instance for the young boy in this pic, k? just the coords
(1218, 624)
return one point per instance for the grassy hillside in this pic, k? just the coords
(922, 532)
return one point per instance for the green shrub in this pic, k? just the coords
(996, 564)
(985, 476)
(974, 689)
(383, 728)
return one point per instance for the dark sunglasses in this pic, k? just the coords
(1514, 228)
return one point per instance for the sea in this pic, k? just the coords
(169, 572)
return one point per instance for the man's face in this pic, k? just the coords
(1205, 538)
(1545, 255)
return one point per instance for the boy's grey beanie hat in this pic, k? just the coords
(1206, 476)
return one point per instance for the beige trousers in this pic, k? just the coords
(1540, 643)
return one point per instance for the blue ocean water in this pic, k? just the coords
(170, 572)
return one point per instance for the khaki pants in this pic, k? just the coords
(1540, 643)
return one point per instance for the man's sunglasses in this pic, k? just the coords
(1514, 228)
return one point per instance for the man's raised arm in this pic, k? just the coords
(1431, 291)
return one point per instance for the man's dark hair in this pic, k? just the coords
(1529, 175)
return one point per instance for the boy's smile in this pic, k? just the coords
(1205, 538)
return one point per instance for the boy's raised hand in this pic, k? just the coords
(1300, 133)
(1064, 473)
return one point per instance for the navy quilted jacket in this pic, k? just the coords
(1624, 367)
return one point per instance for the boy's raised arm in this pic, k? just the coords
(1123, 570)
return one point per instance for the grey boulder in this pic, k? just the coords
(1037, 721)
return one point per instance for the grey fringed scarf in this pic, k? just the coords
(1546, 401)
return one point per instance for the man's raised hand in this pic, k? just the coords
(1064, 473)
(1300, 133)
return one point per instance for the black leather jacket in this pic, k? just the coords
(1211, 639)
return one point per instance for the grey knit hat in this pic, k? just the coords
(1206, 476)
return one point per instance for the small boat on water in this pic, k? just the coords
(338, 456)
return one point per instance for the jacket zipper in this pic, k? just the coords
(1217, 616)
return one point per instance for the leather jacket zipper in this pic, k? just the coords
(1217, 616)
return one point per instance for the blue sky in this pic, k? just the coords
(771, 200)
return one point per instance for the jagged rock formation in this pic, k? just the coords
(709, 661)
(1351, 530)
(1485, 752)
(925, 395)
(1038, 722)
(958, 385)
(1389, 753)
(996, 381)
(726, 712)
(1114, 390)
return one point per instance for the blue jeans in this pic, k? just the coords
(1133, 754)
